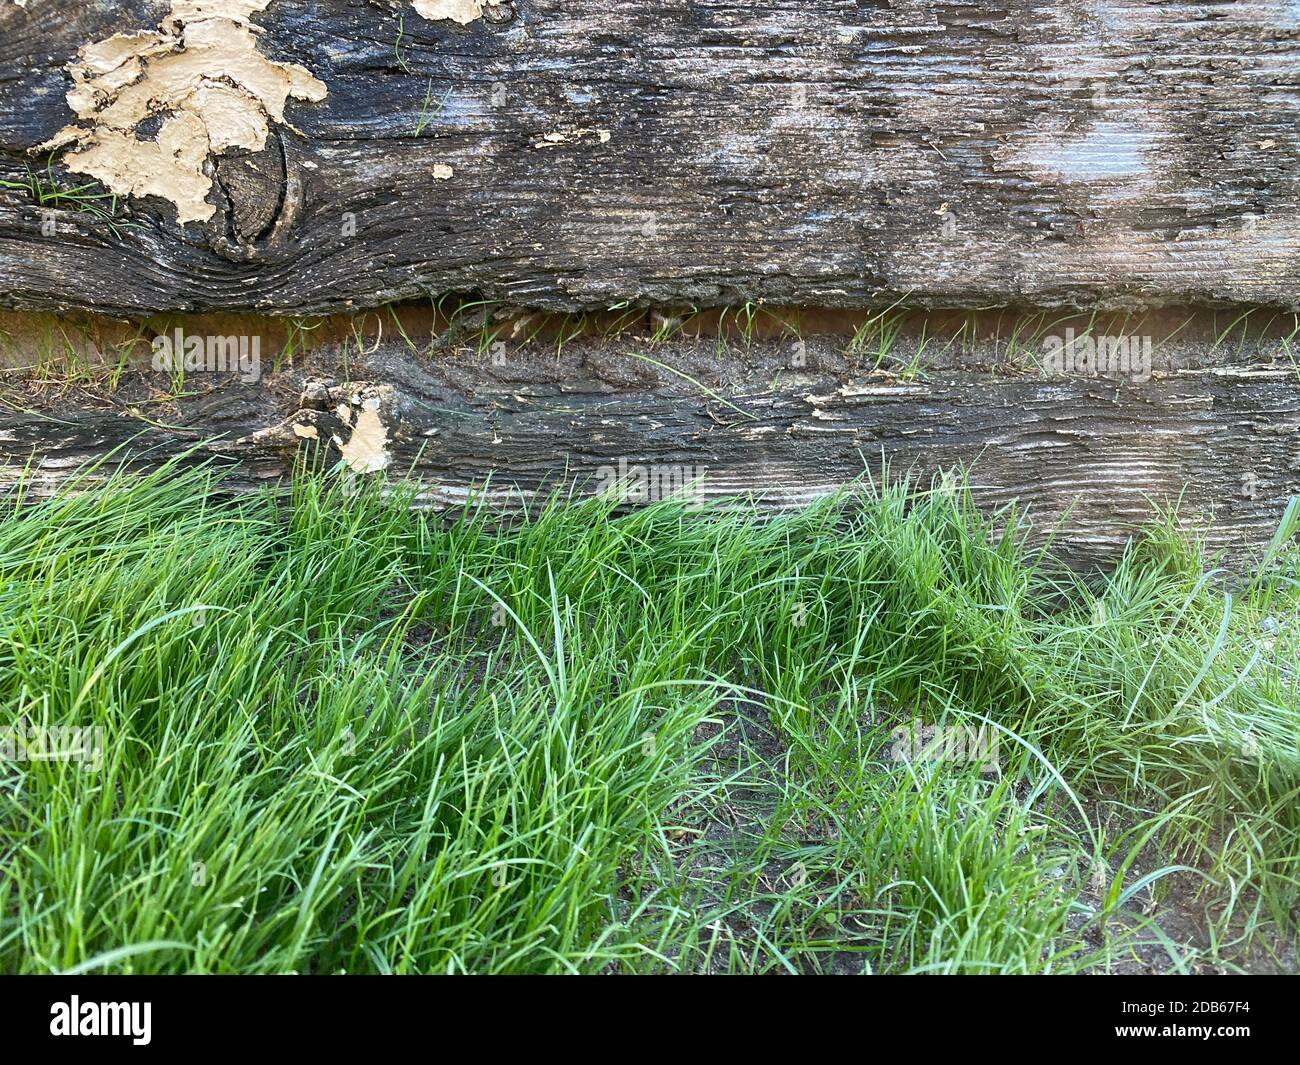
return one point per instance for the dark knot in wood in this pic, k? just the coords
(259, 199)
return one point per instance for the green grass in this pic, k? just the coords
(342, 736)
(89, 198)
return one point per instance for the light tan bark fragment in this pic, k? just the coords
(462, 11)
(202, 76)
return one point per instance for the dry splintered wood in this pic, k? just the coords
(288, 157)
(1213, 429)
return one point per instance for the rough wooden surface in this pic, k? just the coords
(580, 153)
(1215, 430)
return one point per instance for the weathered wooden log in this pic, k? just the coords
(1207, 425)
(287, 156)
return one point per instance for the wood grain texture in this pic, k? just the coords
(808, 152)
(1089, 458)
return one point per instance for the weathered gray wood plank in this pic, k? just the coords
(580, 153)
(1089, 457)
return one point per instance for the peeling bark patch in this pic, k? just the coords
(354, 420)
(462, 11)
(366, 451)
(201, 79)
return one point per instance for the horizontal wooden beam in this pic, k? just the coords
(583, 153)
(1211, 428)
